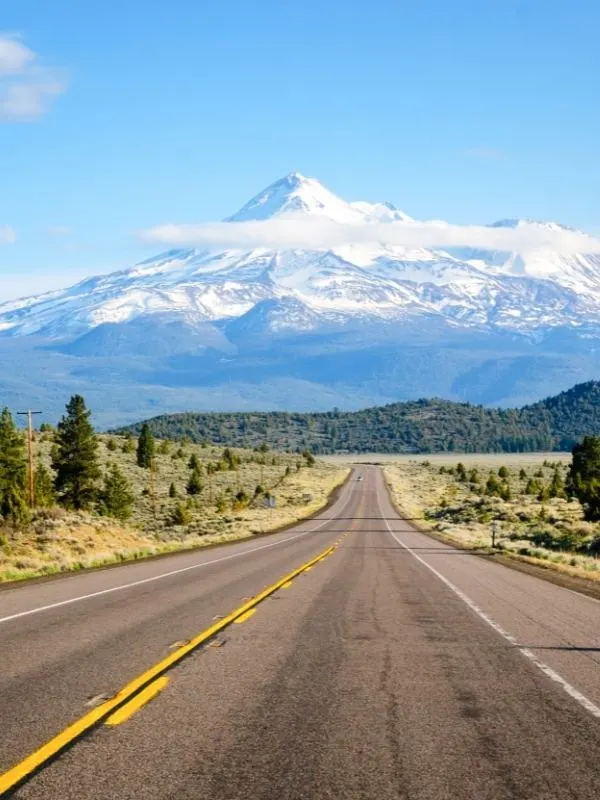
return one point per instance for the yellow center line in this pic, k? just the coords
(245, 616)
(286, 585)
(138, 701)
(21, 771)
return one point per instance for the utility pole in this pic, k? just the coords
(29, 414)
(151, 488)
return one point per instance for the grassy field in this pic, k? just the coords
(61, 541)
(550, 532)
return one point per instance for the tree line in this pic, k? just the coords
(421, 426)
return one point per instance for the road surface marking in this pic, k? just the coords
(166, 574)
(137, 702)
(548, 671)
(245, 616)
(286, 585)
(21, 771)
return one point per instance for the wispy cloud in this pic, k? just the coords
(27, 88)
(323, 234)
(8, 235)
(485, 153)
(59, 230)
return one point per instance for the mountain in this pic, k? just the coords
(424, 426)
(309, 328)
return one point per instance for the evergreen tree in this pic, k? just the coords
(544, 494)
(557, 485)
(503, 473)
(145, 447)
(45, 496)
(194, 485)
(75, 458)
(13, 471)
(116, 497)
(522, 474)
(172, 490)
(532, 487)
(583, 479)
(193, 463)
(493, 485)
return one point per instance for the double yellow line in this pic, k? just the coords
(140, 689)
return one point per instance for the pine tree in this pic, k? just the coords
(116, 497)
(13, 471)
(544, 494)
(194, 485)
(145, 448)
(172, 490)
(193, 463)
(503, 473)
(45, 496)
(493, 485)
(75, 458)
(583, 480)
(557, 485)
(532, 487)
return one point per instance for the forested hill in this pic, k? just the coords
(420, 426)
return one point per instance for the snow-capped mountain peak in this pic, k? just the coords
(348, 284)
(523, 222)
(296, 194)
(380, 212)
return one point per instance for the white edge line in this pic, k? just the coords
(120, 588)
(583, 701)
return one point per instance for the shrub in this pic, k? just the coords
(181, 515)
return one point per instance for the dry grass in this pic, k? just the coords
(550, 533)
(60, 541)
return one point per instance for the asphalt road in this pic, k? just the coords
(397, 667)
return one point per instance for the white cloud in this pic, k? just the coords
(322, 234)
(8, 235)
(27, 88)
(14, 56)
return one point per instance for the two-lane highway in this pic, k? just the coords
(397, 667)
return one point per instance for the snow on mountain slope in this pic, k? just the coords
(578, 272)
(276, 290)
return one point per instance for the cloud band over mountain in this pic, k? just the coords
(317, 233)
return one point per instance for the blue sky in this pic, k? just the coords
(159, 112)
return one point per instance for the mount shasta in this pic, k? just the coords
(308, 329)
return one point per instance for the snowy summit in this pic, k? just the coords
(272, 291)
